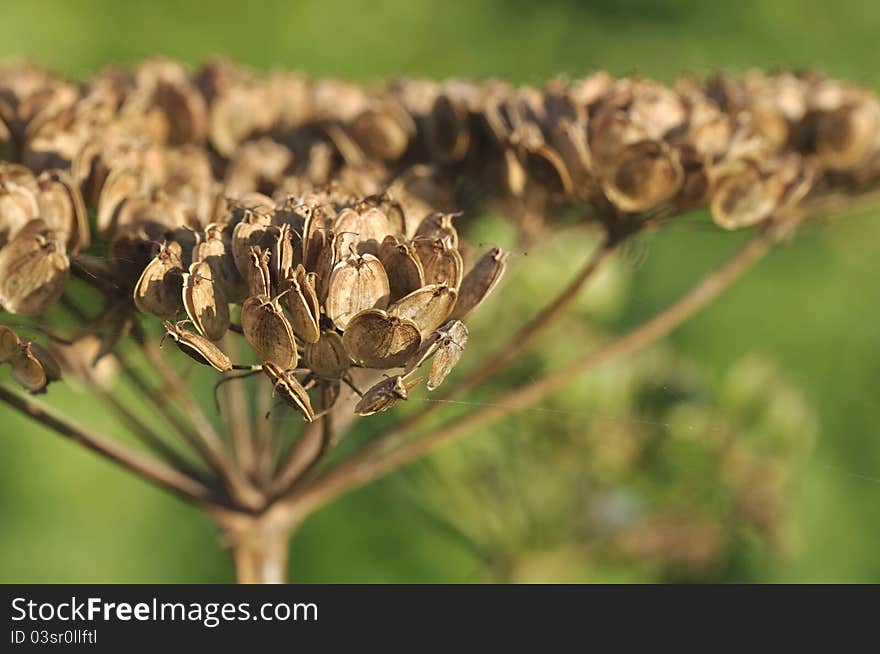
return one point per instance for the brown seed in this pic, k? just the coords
(267, 330)
(121, 183)
(451, 341)
(204, 302)
(197, 347)
(18, 206)
(259, 278)
(282, 253)
(213, 250)
(376, 340)
(252, 231)
(63, 209)
(159, 291)
(644, 175)
(428, 307)
(448, 129)
(322, 247)
(385, 395)
(546, 167)
(441, 262)
(33, 367)
(379, 135)
(327, 357)
(438, 225)
(479, 282)
(287, 385)
(745, 198)
(356, 284)
(301, 301)
(9, 343)
(33, 270)
(403, 268)
(361, 231)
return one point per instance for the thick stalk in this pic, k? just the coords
(260, 552)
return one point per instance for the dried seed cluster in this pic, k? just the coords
(315, 216)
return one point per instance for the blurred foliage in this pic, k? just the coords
(807, 315)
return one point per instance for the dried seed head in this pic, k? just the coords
(301, 301)
(479, 282)
(385, 395)
(403, 268)
(374, 339)
(356, 284)
(287, 385)
(327, 357)
(441, 262)
(267, 330)
(428, 307)
(438, 225)
(197, 347)
(204, 302)
(159, 291)
(33, 270)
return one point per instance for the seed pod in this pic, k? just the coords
(327, 357)
(282, 254)
(380, 135)
(569, 139)
(291, 391)
(33, 367)
(204, 302)
(301, 302)
(448, 129)
(259, 277)
(267, 330)
(197, 347)
(121, 183)
(644, 175)
(33, 270)
(213, 250)
(323, 247)
(159, 291)
(544, 166)
(479, 282)
(9, 343)
(18, 206)
(428, 307)
(250, 232)
(450, 341)
(846, 136)
(374, 339)
(441, 262)
(356, 284)
(438, 225)
(745, 198)
(63, 209)
(385, 395)
(361, 230)
(403, 268)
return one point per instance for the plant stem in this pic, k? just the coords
(153, 471)
(372, 461)
(239, 420)
(260, 552)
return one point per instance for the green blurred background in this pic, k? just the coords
(812, 308)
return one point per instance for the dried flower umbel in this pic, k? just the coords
(305, 233)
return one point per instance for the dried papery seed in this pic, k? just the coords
(745, 198)
(33, 270)
(121, 183)
(28, 370)
(253, 231)
(441, 263)
(428, 307)
(63, 209)
(197, 347)
(479, 282)
(451, 341)
(645, 175)
(846, 136)
(282, 254)
(385, 395)
(546, 167)
(267, 330)
(379, 135)
(159, 290)
(356, 284)
(18, 206)
(259, 278)
(514, 173)
(393, 211)
(403, 268)
(439, 225)
(448, 129)
(287, 385)
(374, 339)
(204, 302)
(301, 301)
(327, 357)
(9, 343)
(361, 231)
(214, 251)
